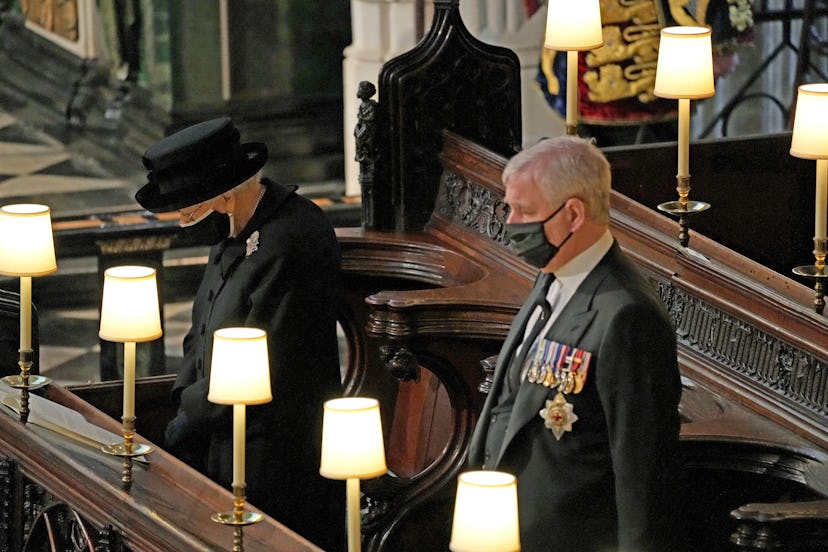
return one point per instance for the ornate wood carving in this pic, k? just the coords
(782, 369)
(8, 478)
(366, 136)
(473, 206)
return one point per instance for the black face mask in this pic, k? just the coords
(528, 241)
(209, 231)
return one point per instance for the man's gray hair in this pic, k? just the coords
(564, 167)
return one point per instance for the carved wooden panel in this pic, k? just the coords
(450, 80)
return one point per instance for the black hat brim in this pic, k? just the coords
(152, 199)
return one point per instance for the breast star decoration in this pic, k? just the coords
(558, 416)
(252, 244)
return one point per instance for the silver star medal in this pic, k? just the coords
(558, 416)
(252, 244)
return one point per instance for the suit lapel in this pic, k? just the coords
(513, 339)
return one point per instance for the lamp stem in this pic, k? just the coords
(129, 379)
(239, 423)
(25, 344)
(683, 138)
(572, 109)
(25, 312)
(821, 200)
(354, 528)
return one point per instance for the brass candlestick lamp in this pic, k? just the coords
(485, 513)
(809, 142)
(684, 72)
(573, 26)
(239, 375)
(26, 250)
(352, 449)
(129, 314)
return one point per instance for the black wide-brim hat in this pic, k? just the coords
(197, 163)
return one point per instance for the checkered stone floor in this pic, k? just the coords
(35, 168)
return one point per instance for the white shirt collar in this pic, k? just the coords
(573, 273)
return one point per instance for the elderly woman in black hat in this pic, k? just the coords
(274, 264)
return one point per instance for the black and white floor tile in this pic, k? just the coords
(35, 168)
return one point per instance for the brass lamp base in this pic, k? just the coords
(127, 450)
(683, 210)
(120, 449)
(35, 382)
(818, 274)
(230, 518)
(238, 518)
(25, 381)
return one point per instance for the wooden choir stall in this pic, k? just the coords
(431, 287)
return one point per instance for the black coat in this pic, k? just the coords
(605, 484)
(284, 280)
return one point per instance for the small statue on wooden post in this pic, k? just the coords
(366, 153)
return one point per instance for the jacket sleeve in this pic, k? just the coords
(640, 389)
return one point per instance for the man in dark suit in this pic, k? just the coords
(274, 264)
(584, 404)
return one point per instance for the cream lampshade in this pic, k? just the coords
(239, 376)
(129, 314)
(485, 513)
(240, 369)
(129, 310)
(809, 142)
(571, 26)
(685, 63)
(27, 247)
(352, 444)
(684, 72)
(352, 449)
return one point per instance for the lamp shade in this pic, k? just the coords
(485, 513)
(352, 444)
(240, 368)
(573, 25)
(26, 243)
(685, 63)
(809, 140)
(129, 310)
